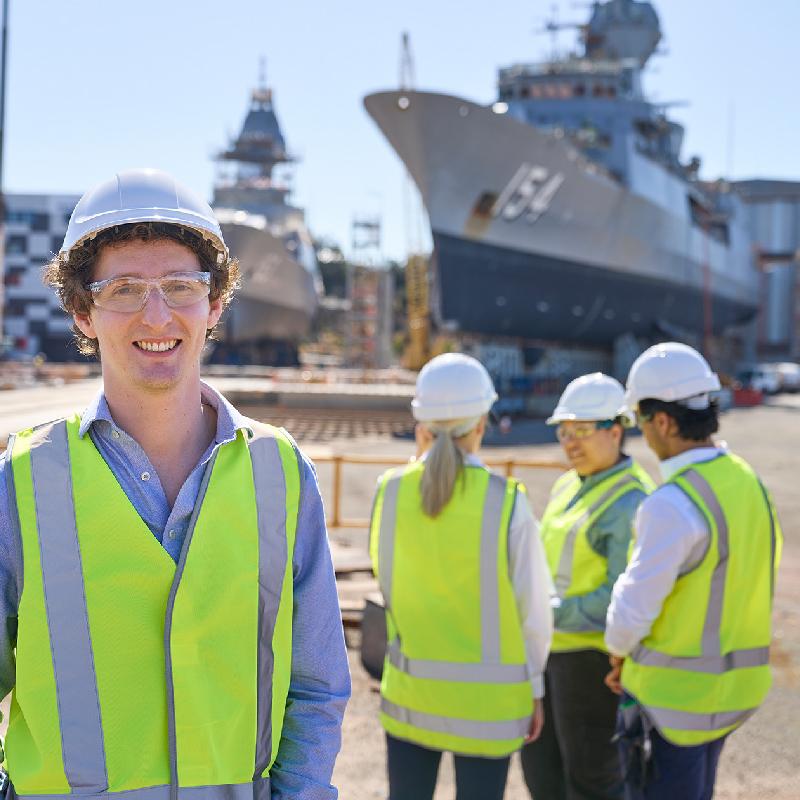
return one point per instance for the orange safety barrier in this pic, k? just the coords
(335, 520)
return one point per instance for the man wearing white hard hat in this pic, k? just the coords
(586, 530)
(166, 585)
(459, 561)
(689, 622)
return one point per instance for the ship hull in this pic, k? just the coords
(517, 213)
(497, 291)
(277, 299)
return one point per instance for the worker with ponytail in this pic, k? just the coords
(458, 557)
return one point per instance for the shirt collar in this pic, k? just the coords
(592, 480)
(229, 420)
(696, 455)
(470, 459)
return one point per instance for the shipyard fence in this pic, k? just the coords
(336, 519)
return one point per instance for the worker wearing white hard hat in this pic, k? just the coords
(586, 530)
(167, 632)
(688, 626)
(458, 558)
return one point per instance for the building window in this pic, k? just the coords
(16, 244)
(35, 220)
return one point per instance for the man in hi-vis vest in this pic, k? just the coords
(170, 627)
(689, 625)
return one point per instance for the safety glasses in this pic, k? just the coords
(130, 294)
(581, 430)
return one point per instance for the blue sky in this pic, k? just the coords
(99, 85)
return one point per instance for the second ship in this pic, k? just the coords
(281, 285)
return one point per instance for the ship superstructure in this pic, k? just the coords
(564, 210)
(281, 286)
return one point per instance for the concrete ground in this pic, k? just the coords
(762, 759)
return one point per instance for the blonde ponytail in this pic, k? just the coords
(443, 463)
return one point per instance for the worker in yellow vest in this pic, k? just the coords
(460, 564)
(586, 530)
(166, 586)
(689, 622)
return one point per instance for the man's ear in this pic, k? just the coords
(214, 312)
(85, 325)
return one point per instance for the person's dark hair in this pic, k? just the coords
(69, 274)
(693, 424)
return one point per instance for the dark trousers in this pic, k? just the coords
(673, 772)
(413, 770)
(574, 758)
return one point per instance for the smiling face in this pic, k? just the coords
(591, 454)
(158, 348)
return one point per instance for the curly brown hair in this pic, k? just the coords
(68, 273)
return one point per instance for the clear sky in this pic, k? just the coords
(100, 85)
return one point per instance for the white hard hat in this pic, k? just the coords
(452, 386)
(594, 397)
(141, 195)
(671, 372)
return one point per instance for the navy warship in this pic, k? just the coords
(564, 211)
(281, 285)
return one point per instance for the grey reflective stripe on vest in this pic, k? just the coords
(386, 538)
(455, 671)
(258, 790)
(563, 576)
(716, 599)
(455, 726)
(172, 739)
(270, 483)
(489, 588)
(67, 618)
(712, 661)
(696, 721)
(714, 665)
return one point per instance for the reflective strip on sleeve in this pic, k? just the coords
(563, 576)
(713, 665)
(270, 483)
(67, 615)
(455, 671)
(454, 726)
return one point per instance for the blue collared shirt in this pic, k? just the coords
(320, 680)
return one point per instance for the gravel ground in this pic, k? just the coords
(762, 759)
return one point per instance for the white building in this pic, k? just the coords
(33, 321)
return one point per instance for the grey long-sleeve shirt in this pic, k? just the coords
(609, 537)
(320, 677)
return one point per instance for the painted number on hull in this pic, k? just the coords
(529, 192)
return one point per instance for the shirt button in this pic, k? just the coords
(172, 534)
(145, 476)
(115, 434)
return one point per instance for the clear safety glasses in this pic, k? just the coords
(130, 294)
(581, 430)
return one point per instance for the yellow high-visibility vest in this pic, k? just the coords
(455, 676)
(704, 667)
(576, 568)
(136, 674)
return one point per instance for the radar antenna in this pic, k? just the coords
(552, 27)
(407, 77)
